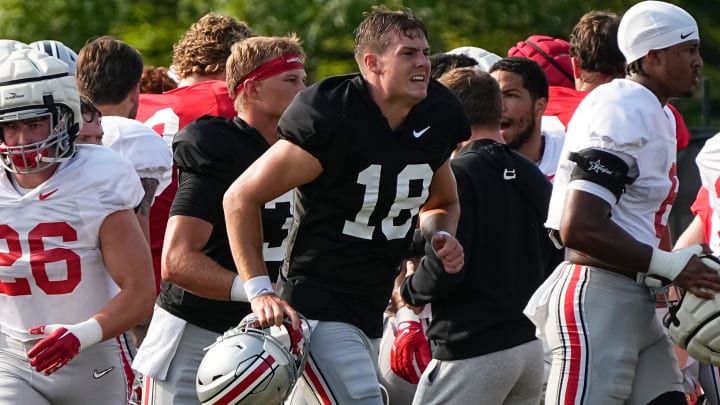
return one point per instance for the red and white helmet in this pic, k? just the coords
(35, 85)
(253, 365)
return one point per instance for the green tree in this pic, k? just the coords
(326, 26)
(69, 21)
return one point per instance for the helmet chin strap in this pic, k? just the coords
(48, 159)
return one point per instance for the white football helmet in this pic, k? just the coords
(7, 46)
(59, 50)
(35, 85)
(694, 323)
(485, 59)
(253, 365)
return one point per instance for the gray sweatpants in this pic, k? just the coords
(511, 376)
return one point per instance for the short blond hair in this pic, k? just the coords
(205, 47)
(252, 53)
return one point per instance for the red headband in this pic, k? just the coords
(273, 67)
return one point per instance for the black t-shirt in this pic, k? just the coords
(354, 223)
(210, 154)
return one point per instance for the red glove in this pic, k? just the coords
(62, 345)
(410, 353)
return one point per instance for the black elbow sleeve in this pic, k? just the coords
(602, 168)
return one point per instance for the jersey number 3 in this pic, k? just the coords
(39, 258)
(370, 178)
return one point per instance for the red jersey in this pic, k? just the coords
(682, 133)
(563, 101)
(167, 113)
(701, 207)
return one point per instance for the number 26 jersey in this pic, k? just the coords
(51, 265)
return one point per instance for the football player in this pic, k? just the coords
(108, 73)
(367, 152)
(524, 88)
(199, 62)
(614, 188)
(596, 59)
(202, 295)
(71, 242)
(91, 132)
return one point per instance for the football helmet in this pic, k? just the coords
(253, 365)
(485, 59)
(59, 50)
(9, 45)
(694, 323)
(552, 54)
(35, 85)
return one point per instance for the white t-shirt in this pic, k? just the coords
(142, 146)
(624, 118)
(53, 271)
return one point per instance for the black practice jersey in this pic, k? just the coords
(354, 223)
(210, 154)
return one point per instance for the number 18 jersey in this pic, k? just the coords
(353, 224)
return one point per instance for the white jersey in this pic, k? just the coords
(708, 162)
(553, 144)
(52, 268)
(142, 146)
(625, 117)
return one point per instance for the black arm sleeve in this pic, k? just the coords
(602, 168)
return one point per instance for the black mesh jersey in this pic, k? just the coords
(210, 154)
(356, 220)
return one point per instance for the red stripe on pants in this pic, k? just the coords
(576, 355)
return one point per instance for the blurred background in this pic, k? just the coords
(326, 29)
